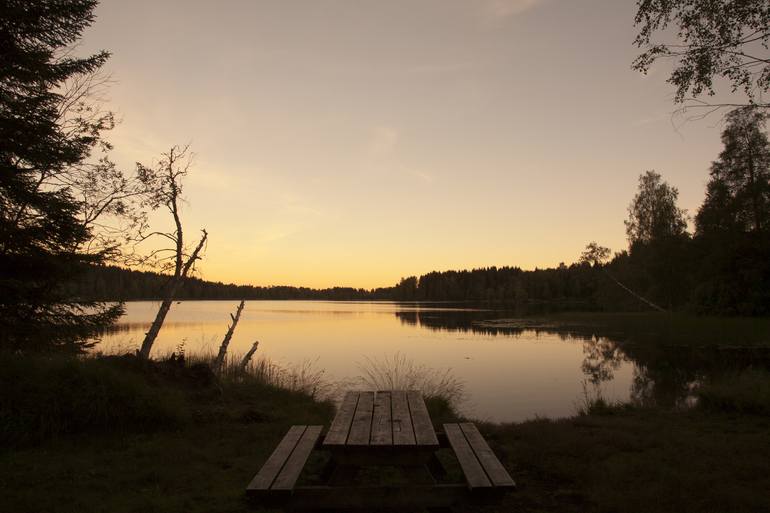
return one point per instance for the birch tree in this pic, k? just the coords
(708, 41)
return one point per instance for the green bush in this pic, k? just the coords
(46, 397)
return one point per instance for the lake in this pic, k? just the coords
(508, 374)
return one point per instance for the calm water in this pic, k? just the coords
(508, 374)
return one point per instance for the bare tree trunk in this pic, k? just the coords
(247, 356)
(165, 306)
(229, 335)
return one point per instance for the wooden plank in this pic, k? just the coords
(492, 466)
(382, 425)
(361, 429)
(338, 431)
(275, 462)
(403, 433)
(474, 473)
(296, 462)
(424, 434)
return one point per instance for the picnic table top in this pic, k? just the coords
(396, 418)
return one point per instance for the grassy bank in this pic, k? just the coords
(184, 441)
(195, 454)
(635, 460)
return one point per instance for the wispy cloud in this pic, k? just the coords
(425, 177)
(382, 141)
(436, 69)
(652, 119)
(499, 9)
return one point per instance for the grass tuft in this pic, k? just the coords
(400, 373)
(594, 403)
(303, 377)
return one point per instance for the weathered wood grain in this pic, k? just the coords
(382, 421)
(424, 433)
(361, 428)
(290, 472)
(492, 466)
(338, 431)
(403, 432)
(474, 473)
(275, 462)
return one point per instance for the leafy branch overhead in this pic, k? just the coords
(715, 40)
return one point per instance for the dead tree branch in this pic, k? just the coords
(220, 360)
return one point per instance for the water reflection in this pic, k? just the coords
(513, 367)
(664, 375)
(602, 358)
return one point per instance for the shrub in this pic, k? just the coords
(48, 396)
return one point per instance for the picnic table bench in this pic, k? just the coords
(373, 429)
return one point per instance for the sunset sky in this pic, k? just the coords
(355, 142)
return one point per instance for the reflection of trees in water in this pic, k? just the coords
(478, 322)
(665, 387)
(127, 327)
(603, 355)
(602, 358)
(664, 375)
(459, 320)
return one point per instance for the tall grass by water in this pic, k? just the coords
(303, 377)
(397, 372)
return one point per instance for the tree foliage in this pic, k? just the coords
(653, 213)
(716, 40)
(48, 133)
(732, 235)
(738, 192)
(595, 254)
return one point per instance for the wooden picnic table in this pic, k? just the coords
(380, 428)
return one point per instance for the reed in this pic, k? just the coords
(593, 402)
(303, 377)
(397, 372)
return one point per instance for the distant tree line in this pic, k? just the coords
(111, 283)
(574, 286)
